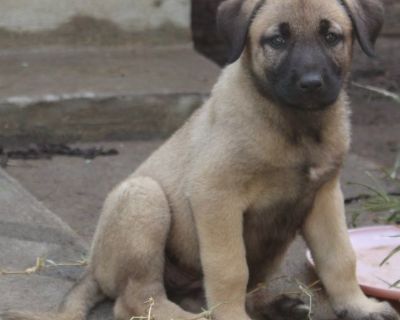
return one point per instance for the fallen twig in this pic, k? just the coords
(41, 264)
(381, 91)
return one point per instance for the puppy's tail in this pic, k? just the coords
(83, 296)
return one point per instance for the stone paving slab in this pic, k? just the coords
(94, 93)
(33, 292)
(22, 216)
(28, 230)
(52, 73)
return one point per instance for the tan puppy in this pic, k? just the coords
(222, 199)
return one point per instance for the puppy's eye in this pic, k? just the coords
(276, 42)
(332, 39)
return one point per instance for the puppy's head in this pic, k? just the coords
(299, 51)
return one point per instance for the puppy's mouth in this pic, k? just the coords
(318, 100)
(289, 94)
(315, 98)
(310, 102)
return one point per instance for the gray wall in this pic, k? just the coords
(130, 15)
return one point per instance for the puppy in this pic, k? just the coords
(218, 204)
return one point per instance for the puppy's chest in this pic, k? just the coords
(279, 188)
(284, 200)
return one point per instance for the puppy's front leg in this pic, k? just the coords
(326, 234)
(219, 222)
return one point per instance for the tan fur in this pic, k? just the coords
(222, 199)
(326, 234)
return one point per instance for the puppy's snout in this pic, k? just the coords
(311, 82)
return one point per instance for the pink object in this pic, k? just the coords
(372, 245)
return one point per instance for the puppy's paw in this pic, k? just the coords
(285, 308)
(375, 311)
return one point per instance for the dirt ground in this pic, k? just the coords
(376, 119)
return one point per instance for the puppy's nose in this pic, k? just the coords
(311, 82)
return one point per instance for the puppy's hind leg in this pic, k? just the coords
(132, 242)
(81, 298)
(146, 298)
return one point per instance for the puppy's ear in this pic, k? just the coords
(233, 20)
(367, 18)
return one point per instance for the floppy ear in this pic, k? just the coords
(233, 20)
(367, 19)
